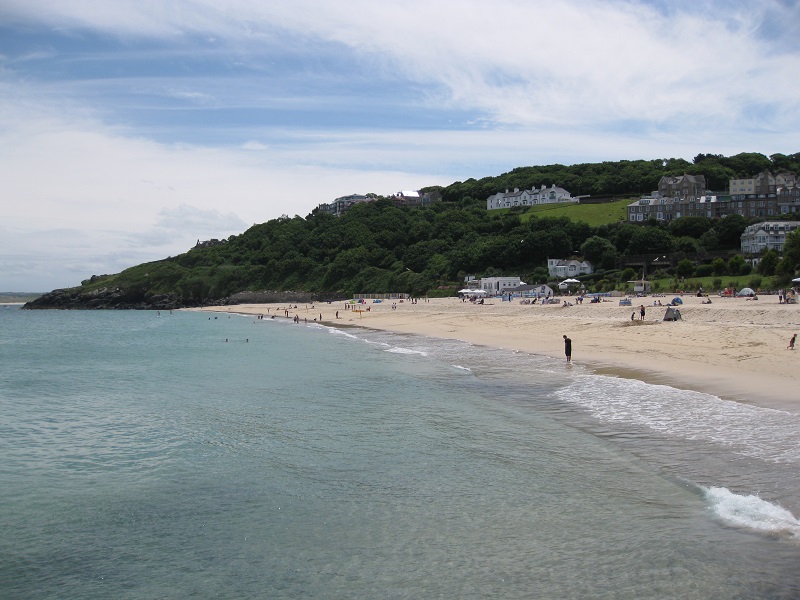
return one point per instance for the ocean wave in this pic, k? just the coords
(751, 512)
(399, 350)
(747, 430)
(336, 331)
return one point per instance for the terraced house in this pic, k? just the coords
(765, 195)
(532, 197)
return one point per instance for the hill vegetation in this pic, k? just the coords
(379, 247)
(594, 215)
(17, 297)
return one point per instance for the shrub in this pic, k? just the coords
(704, 270)
(720, 266)
(735, 264)
(685, 268)
(716, 283)
(755, 283)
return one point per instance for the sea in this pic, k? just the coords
(197, 455)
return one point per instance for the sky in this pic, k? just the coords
(129, 129)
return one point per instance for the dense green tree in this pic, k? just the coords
(735, 264)
(710, 240)
(687, 245)
(791, 250)
(650, 240)
(690, 226)
(685, 268)
(768, 262)
(720, 267)
(784, 272)
(730, 229)
(600, 252)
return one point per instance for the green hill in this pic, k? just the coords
(594, 215)
(18, 297)
(380, 247)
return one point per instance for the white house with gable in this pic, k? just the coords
(543, 195)
(565, 268)
(767, 235)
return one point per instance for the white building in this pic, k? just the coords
(495, 285)
(769, 234)
(535, 291)
(543, 195)
(565, 268)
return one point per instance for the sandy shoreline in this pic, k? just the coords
(733, 348)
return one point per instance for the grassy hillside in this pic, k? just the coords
(591, 214)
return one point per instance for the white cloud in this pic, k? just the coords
(564, 63)
(95, 187)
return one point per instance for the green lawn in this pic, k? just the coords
(593, 214)
(667, 285)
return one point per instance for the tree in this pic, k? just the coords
(719, 266)
(784, 272)
(730, 229)
(599, 251)
(735, 264)
(685, 268)
(439, 265)
(687, 245)
(768, 262)
(690, 226)
(709, 240)
(650, 240)
(791, 251)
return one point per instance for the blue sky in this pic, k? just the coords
(129, 129)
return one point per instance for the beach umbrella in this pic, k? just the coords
(465, 291)
(570, 281)
(796, 280)
(746, 292)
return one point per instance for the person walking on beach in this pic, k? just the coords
(791, 342)
(641, 312)
(568, 348)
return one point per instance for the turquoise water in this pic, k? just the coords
(146, 457)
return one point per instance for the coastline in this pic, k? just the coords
(733, 348)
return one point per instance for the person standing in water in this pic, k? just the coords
(568, 348)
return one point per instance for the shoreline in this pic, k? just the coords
(733, 348)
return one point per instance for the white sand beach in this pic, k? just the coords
(734, 348)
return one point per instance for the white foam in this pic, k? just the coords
(467, 369)
(335, 331)
(689, 415)
(398, 350)
(751, 512)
